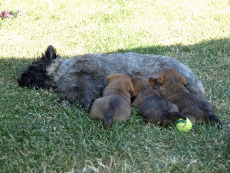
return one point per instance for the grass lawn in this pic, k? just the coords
(39, 135)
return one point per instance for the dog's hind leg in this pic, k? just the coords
(214, 118)
(169, 117)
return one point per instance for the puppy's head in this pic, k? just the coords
(123, 80)
(169, 76)
(139, 84)
(35, 75)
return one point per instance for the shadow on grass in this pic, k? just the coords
(213, 47)
(37, 131)
(200, 56)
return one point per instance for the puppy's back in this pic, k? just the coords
(115, 103)
(110, 108)
(156, 109)
(151, 105)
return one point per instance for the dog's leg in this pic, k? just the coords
(214, 118)
(169, 117)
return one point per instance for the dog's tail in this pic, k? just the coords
(109, 112)
(214, 118)
(108, 117)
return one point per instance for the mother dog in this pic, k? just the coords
(83, 77)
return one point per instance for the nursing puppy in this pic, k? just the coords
(194, 107)
(82, 78)
(151, 105)
(115, 103)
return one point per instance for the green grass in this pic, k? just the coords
(39, 135)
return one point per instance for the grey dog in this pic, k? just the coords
(83, 78)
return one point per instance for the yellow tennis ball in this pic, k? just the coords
(184, 125)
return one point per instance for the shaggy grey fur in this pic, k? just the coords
(83, 77)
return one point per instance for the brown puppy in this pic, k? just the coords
(116, 101)
(172, 88)
(151, 105)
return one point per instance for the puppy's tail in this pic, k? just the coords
(109, 112)
(108, 117)
(214, 118)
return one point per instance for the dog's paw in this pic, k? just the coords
(65, 103)
(182, 116)
(178, 115)
(85, 107)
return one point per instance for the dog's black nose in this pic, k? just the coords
(19, 79)
(20, 82)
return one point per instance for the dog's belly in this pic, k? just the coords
(130, 63)
(95, 67)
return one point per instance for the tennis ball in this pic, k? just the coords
(183, 125)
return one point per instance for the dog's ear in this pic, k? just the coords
(135, 89)
(163, 79)
(157, 79)
(111, 77)
(182, 79)
(152, 82)
(50, 54)
(135, 92)
(154, 78)
(130, 87)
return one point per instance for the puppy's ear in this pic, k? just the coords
(130, 87)
(135, 92)
(111, 77)
(182, 79)
(163, 79)
(152, 82)
(154, 78)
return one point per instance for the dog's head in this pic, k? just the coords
(168, 76)
(35, 75)
(140, 84)
(124, 81)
